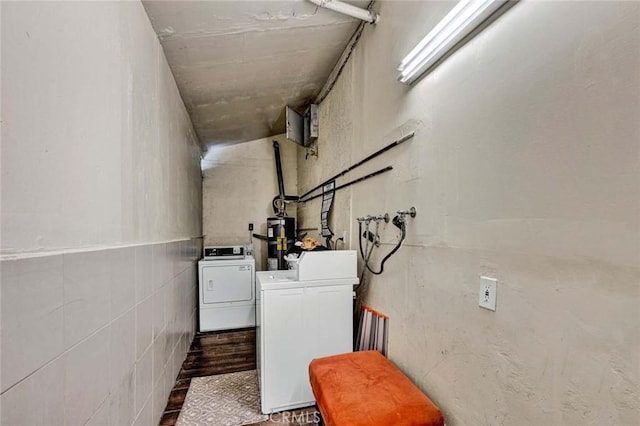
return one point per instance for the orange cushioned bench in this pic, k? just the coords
(365, 388)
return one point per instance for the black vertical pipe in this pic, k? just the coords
(276, 150)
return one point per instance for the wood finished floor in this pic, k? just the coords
(219, 353)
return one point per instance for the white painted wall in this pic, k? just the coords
(97, 147)
(101, 217)
(239, 184)
(525, 167)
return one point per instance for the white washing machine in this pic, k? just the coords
(226, 293)
(302, 314)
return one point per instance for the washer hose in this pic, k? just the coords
(395, 249)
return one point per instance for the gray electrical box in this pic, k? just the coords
(302, 129)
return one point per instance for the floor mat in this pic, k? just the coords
(222, 400)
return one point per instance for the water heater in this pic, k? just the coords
(281, 234)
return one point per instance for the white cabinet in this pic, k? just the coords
(283, 332)
(304, 320)
(330, 321)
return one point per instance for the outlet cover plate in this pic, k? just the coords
(488, 289)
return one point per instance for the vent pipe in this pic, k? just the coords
(347, 9)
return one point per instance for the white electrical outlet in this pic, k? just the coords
(488, 289)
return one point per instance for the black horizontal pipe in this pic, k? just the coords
(360, 163)
(370, 175)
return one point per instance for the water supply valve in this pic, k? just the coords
(411, 212)
(400, 219)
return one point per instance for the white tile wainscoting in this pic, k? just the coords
(95, 337)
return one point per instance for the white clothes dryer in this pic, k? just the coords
(226, 293)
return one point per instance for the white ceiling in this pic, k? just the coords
(238, 63)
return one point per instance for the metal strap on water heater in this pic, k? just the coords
(280, 237)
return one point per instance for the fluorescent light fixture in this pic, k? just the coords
(466, 16)
(347, 9)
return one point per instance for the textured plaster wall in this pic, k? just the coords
(97, 147)
(525, 167)
(101, 217)
(238, 187)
